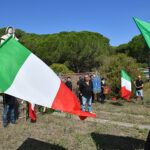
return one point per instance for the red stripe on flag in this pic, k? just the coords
(125, 93)
(66, 101)
(32, 112)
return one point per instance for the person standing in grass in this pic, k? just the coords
(139, 88)
(103, 84)
(86, 89)
(69, 83)
(9, 108)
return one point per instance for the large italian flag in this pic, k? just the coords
(25, 76)
(125, 85)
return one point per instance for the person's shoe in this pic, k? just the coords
(5, 125)
(142, 103)
(33, 121)
(13, 123)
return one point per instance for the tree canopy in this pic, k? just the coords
(79, 51)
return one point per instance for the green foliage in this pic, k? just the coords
(137, 48)
(112, 71)
(79, 51)
(60, 68)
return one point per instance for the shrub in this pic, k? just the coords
(111, 70)
(60, 68)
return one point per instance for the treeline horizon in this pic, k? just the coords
(79, 51)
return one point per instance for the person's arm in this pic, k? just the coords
(81, 87)
(142, 85)
(92, 85)
(135, 84)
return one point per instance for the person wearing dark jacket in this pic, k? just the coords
(79, 82)
(102, 90)
(69, 83)
(86, 89)
(9, 107)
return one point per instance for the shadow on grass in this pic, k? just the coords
(32, 144)
(112, 142)
(116, 103)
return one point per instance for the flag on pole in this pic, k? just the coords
(144, 28)
(25, 76)
(44, 109)
(32, 112)
(125, 85)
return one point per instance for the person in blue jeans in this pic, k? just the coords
(102, 90)
(86, 89)
(9, 108)
(139, 88)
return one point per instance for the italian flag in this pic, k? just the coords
(44, 109)
(32, 112)
(25, 76)
(125, 85)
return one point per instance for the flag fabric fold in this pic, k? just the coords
(25, 76)
(125, 85)
(144, 28)
(32, 112)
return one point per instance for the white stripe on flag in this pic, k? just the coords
(126, 83)
(35, 82)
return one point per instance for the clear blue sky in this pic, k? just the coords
(112, 18)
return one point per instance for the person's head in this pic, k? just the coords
(94, 75)
(68, 79)
(103, 80)
(139, 77)
(80, 77)
(10, 30)
(86, 77)
(91, 76)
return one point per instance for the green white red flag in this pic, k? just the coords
(25, 76)
(125, 85)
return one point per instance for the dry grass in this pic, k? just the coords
(54, 132)
(58, 133)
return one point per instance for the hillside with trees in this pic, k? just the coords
(79, 51)
(86, 51)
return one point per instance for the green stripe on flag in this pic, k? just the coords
(12, 57)
(144, 27)
(125, 76)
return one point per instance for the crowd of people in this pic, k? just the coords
(85, 92)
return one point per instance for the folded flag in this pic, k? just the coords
(125, 85)
(32, 112)
(25, 76)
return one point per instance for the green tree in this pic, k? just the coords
(60, 68)
(112, 72)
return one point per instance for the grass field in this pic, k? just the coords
(64, 132)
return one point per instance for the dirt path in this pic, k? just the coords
(105, 121)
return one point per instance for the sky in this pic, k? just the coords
(111, 18)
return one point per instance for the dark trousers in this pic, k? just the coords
(9, 108)
(102, 98)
